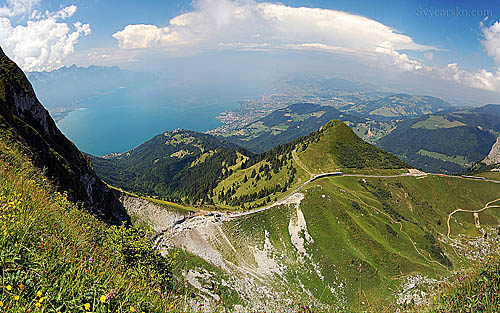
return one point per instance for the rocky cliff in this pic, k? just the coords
(24, 120)
(494, 155)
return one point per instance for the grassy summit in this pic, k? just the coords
(336, 147)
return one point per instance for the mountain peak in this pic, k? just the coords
(335, 146)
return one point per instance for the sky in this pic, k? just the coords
(415, 42)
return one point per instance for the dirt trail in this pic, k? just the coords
(400, 229)
(299, 163)
(476, 216)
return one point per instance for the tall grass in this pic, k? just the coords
(474, 291)
(55, 257)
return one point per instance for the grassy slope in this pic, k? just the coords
(335, 147)
(55, 257)
(477, 290)
(284, 125)
(365, 250)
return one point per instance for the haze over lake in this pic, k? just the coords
(124, 119)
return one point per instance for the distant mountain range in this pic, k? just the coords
(76, 86)
(399, 105)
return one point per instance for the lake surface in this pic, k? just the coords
(124, 119)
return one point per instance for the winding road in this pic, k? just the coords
(313, 178)
(487, 206)
(339, 174)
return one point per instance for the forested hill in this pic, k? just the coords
(178, 165)
(25, 124)
(401, 105)
(198, 168)
(447, 143)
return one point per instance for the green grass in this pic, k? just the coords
(57, 258)
(477, 290)
(435, 122)
(336, 147)
(369, 248)
(458, 159)
(491, 175)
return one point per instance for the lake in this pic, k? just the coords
(126, 118)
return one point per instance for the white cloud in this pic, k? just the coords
(66, 12)
(491, 41)
(44, 42)
(213, 22)
(261, 26)
(144, 36)
(401, 60)
(18, 7)
(481, 79)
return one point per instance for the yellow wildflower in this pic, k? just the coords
(38, 304)
(9, 287)
(132, 309)
(103, 298)
(87, 306)
(41, 300)
(1, 304)
(16, 298)
(39, 293)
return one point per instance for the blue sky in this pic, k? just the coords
(458, 36)
(393, 36)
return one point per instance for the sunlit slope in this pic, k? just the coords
(336, 147)
(181, 165)
(274, 174)
(356, 240)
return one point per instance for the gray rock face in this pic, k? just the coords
(494, 155)
(28, 122)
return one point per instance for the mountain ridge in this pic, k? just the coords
(169, 165)
(26, 122)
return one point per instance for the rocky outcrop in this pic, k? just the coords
(23, 119)
(494, 155)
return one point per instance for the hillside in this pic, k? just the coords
(25, 123)
(180, 165)
(400, 105)
(200, 169)
(345, 243)
(336, 147)
(446, 143)
(377, 238)
(284, 125)
(58, 258)
(55, 256)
